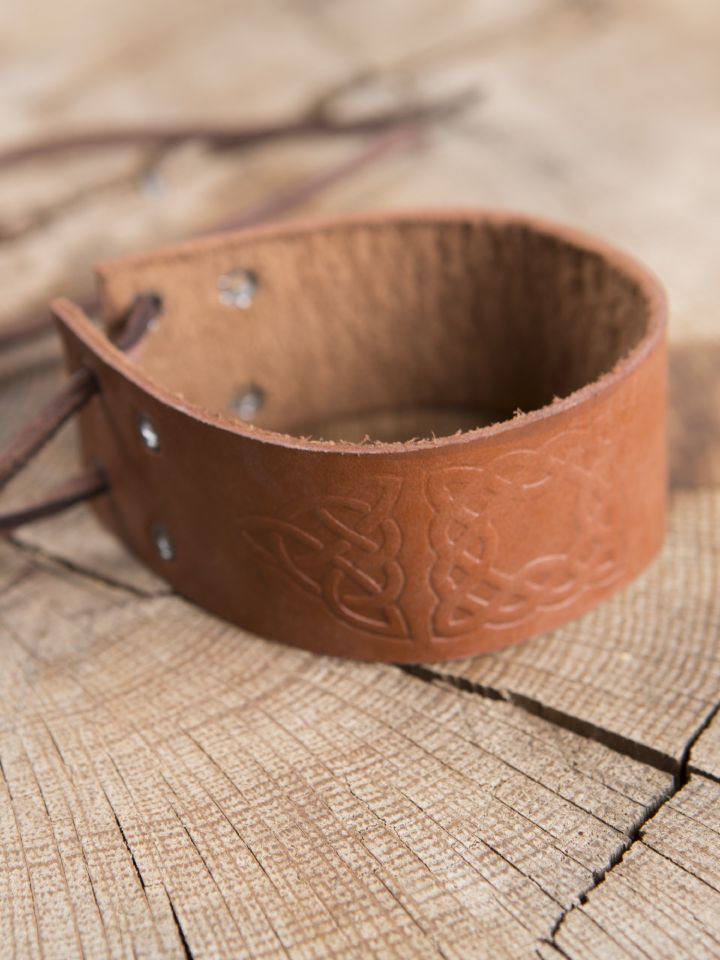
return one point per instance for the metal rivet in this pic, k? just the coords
(238, 288)
(148, 433)
(248, 400)
(163, 542)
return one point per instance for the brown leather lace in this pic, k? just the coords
(71, 397)
(84, 486)
(395, 128)
(316, 122)
(401, 128)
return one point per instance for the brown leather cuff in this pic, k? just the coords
(426, 549)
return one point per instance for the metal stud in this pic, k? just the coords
(248, 400)
(163, 542)
(148, 433)
(238, 288)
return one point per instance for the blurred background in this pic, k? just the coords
(601, 113)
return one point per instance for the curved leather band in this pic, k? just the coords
(420, 550)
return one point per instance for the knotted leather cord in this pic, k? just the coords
(82, 385)
(71, 397)
(84, 486)
(400, 126)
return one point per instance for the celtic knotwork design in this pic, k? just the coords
(473, 587)
(484, 571)
(343, 550)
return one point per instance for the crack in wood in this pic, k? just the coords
(559, 718)
(635, 834)
(699, 772)
(3, 777)
(71, 566)
(181, 933)
(127, 844)
(690, 768)
(680, 768)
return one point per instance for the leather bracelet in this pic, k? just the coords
(419, 549)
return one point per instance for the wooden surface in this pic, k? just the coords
(173, 787)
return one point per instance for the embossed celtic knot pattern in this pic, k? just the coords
(472, 586)
(347, 551)
(344, 551)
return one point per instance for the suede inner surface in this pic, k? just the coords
(481, 318)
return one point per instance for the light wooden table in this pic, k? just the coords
(173, 787)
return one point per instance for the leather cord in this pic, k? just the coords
(33, 325)
(83, 486)
(397, 138)
(316, 122)
(72, 396)
(146, 308)
(79, 388)
(400, 127)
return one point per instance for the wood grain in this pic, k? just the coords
(705, 754)
(663, 899)
(156, 760)
(173, 787)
